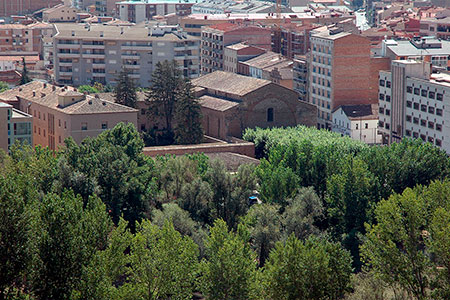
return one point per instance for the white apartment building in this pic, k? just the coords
(414, 103)
(86, 53)
(360, 122)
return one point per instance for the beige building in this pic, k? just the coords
(60, 13)
(14, 126)
(62, 112)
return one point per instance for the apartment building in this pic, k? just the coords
(144, 10)
(64, 112)
(341, 72)
(414, 103)
(300, 77)
(239, 52)
(14, 126)
(106, 7)
(291, 39)
(359, 122)
(96, 53)
(60, 13)
(246, 7)
(216, 37)
(20, 7)
(431, 49)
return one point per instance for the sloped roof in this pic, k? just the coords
(216, 103)
(230, 83)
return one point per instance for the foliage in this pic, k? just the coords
(125, 91)
(24, 78)
(313, 269)
(3, 86)
(230, 269)
(95, 89)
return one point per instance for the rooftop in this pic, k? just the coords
(360, 112)
(230, 83)
(267, 60)
(216, 103)
(156, 1)
(418, 47)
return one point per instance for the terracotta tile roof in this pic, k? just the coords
(224, 26)
(230, 83)
(216, 103)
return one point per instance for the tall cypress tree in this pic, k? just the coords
(188, 127)
(25, 78)
(125, 90)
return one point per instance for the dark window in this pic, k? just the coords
(381, 124)
(381, 110)
(438, 143)
(438, 127)
(408, 132)
(431, 95)
(439, 111)
(381, 82)
(408, 118)
(424, 93)
(409, 89)
(142, 111)
(416, 105)
(408, 103)
(423, 123)
(416, 120)
(387, 126)
(270, 115)
(381, 96)
(430, 125)
(415, 135)
(388, 84)
(388, 112)
(388, 98)
(416, 91)
(431, 109)
(423, 137)
(439, 96)
(431, 139)
(423, 107)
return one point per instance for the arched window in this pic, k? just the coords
(270, 114)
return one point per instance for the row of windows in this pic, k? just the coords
(381, 124)
(323, 71)
(386, 111)
(425, 93)
(322, 60)
(430, 139)
(321, 92)
(424, 108)
(424, 123)
(385, 97)
(321, 81)
(323, 49)
(385, 83)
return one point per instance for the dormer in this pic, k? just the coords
(66, 98)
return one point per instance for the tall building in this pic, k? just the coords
(95, 53)
(216, 37)
(291, 39)
(144, 10)
(59, 113)
(300, 77)
(22, 38)
(341, 72)
(239, 52)
(413, 102)
(20, 7)
(14, 126)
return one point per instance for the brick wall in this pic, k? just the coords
(17, 7)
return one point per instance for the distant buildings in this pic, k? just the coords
(414, 103)
(144, 10)
(216, 37)
(231, 102)
(242, 7)
(95, 53)
(239, 52)
(62, 112)
(60, 13)
(19, 7)
(300, 77)
(14, 126)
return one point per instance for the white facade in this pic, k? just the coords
(362, 129)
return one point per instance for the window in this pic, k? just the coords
(34, 128)
(415, 135)
(423, 123)
(388, 84)
(381, 124)
(84, 126)
(59, 122)
(270, 114)
(388, 112)
(438, 143)
(381, 110)
(104, 125)
(387, 126)
(439, 127)
(65, 124)
(438, 111)
(423, 137)
(423, 107)
(382, 82)
(439, 97)
(381, 97)
(409, 89)
(408, 118)
(430, 125)
(356, 125)
(408, 132)
(416, 105)
(388, 98)
(424, 93)
(416, 91)
(59, 139)
(430, 109)
(366, 126)
(416, 120)
(408, 103)
(431, 95)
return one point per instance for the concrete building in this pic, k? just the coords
(60, 13)
(239, 52)
(429, 49)
(414, 103)
(97, 53)
(360, 122)
(20, 7)
(62, 112)
(240, 7)
(300, 77)
(144, 10)
(231, 102)
(216, 37)
(341, 72)
(106, 7)
(14, 126)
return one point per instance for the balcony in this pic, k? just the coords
(68, 55)
(98, 65)
(65, 64)
(65, 73)
(131, 56)
(68, 46)
(87, 46)
(94, 55)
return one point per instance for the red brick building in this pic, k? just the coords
(216, 37)
(291, 39)
(19, 7)
(342, 72)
